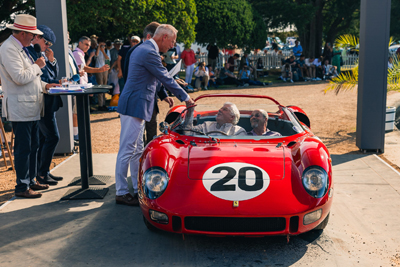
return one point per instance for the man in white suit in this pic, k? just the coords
(23, 101)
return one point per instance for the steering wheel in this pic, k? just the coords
(216, 132)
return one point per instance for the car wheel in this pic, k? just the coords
(149, 225)
(322, 225)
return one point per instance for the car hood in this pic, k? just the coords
(213, 161)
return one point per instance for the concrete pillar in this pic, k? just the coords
(54, 15)
(373, 67)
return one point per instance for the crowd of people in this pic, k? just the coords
(139, 70)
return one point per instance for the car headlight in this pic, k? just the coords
(315, 181)
(155, 181)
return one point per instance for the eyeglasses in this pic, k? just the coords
(47, 42)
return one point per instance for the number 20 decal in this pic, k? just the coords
(235, 181)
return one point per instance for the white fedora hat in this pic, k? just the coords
(26, 23)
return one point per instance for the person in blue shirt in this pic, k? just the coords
(297, 49)
(244, 76)
(301, 64)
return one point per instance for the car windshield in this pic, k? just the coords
(202, 119)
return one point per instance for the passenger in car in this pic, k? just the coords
(259, 121)
(226, 120)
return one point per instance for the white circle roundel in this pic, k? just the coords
(235, 181)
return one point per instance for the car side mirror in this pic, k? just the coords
(164, 127)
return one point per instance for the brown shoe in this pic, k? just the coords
(39, 186)
(29, 194)
(127, 199)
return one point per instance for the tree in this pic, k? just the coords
(315, 20)
(114, 19)
(229, 22)
(10, 7)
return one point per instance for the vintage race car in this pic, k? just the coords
(192, 182)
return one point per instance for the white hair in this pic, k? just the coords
(234, 112)
(165, 29)
(265, 114)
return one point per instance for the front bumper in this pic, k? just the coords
(234, 225)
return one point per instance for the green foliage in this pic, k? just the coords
(8, 7)
(118, 18)
(229, 22)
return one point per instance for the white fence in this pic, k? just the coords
(273, 61)
(270, 61)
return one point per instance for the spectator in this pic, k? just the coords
(227, 77)
(260, 68)
(245, 61)
(213, 77)
(48, 130)
(244, 76)
(275, 50)
(79, 55)
(297, 49)
(311, 68)
(329, 71)
(390, 63)
(114, 54)
(202, 76)
(336, 58)
(301, 64)
(103, 57)
(293, 68)
(232, 60)
(328, 52)
(74, 69)
(170, 57)
(212, 55)
(287, 72)
(23, 92)
(122, 58)
(318, 66)
(189, 59)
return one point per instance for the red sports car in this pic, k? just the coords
(214, 183)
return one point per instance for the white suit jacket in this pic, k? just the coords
(22, 87)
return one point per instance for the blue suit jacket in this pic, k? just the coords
(50, 72)
(146, 72)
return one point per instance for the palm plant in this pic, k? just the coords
(349, 80)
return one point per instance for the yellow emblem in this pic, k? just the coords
(235, 204)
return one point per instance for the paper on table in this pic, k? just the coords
(175, 69)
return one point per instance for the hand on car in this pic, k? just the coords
(190, 102)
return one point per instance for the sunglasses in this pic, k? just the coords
(46, 42)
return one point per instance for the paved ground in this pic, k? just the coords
(363, 230)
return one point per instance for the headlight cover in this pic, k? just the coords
(155, 181)
(315, 181)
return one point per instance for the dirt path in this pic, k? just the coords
(333, 119)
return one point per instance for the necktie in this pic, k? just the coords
(27, 53)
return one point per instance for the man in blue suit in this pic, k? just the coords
(136, 105)
(48, 134)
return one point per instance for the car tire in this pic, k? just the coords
(149, 225)
(323, 224)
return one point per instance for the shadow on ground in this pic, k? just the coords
(102, 233)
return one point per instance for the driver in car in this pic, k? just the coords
(259, 121)
(226, 120)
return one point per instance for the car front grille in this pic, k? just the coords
(235, 224)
